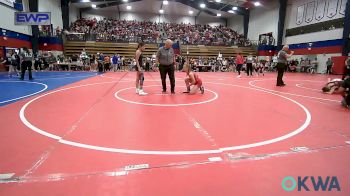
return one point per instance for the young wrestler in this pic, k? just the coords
(334, 86)
(139, 69)
(193, 81)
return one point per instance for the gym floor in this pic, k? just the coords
(79, 133)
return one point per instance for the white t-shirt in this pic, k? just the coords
(274, 59)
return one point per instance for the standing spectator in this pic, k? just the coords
(92, 60)
(182, 62)
(122, 63)
(314, 65)
(304, 65)
(282, 57)
(329, 64)
(224, 64)
(274, 62)
(13, 63)
(37, 62)
(177, 64)
(100, 63)
(107, 63)
(307, 65)
(16, 61)
(239, 63)
(8, 63)
(27, 58)
(115, 60)
(147, 65)
(249, 61)
(166, 58)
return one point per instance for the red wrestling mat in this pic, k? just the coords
(242, 137)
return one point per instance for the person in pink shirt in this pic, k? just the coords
(239, 64)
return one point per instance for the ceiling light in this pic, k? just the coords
(161, 11)
(128, 7)
(235, 8)
(218, 14)
(125, 0)
(93, 5)
(202, 5)
(165, 2)
(85, 1)
(218, 1)
(190, 12)
(257, 3)
(231, 11)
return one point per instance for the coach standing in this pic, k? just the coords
(282, 57)
(166, 59)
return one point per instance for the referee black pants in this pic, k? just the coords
(249, 69)
(24, 66)
(170, 70)
(280, 71)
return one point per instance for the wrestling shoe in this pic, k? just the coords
(201, 89)
(343, 102)
(142, 93)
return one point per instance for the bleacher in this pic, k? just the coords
(128, 49)
(123, 49)
(213, 51)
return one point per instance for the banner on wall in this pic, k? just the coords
(320, 9)
(32, 18)
(310, 11)
(342, 7)
(300, 14)
(332, 8)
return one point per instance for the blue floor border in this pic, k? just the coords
(12, 89)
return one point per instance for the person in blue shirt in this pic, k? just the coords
(115, 60)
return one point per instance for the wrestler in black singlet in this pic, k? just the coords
(140, 60)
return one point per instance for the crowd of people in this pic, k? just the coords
(115, 30)
(152, 32)
(49, 31)
(204, 34)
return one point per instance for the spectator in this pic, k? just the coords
(132, 31)
(27, 58)
(329, 64)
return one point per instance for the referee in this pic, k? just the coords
(166, 59)
(282, 57)
(27, 58)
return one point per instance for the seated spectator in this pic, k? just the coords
(132, 31)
